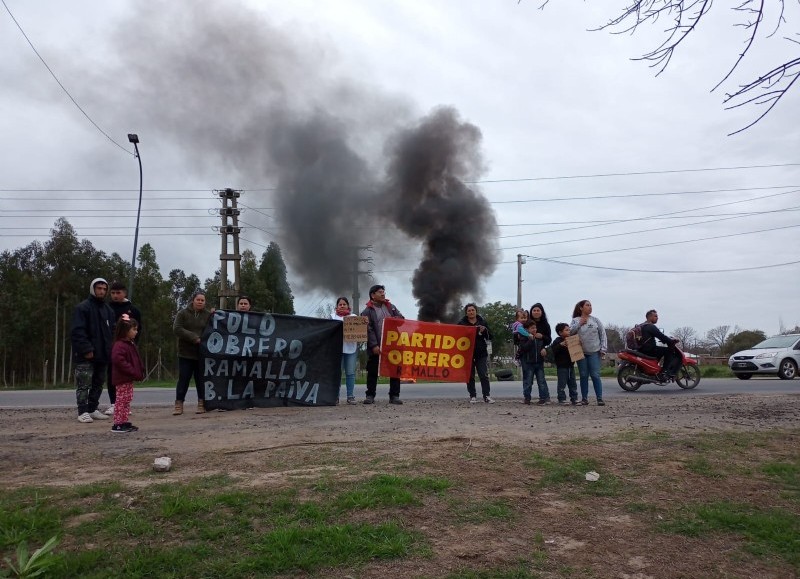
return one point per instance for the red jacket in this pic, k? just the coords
(126, 365)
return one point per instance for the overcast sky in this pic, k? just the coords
(588, 155)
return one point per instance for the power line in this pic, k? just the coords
(676, 242)
(634, 173)
(639, 231)
(85, 114)
(774, 265)
(629, 195)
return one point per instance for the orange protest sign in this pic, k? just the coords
(425, 350)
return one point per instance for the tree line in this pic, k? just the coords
(41, 283)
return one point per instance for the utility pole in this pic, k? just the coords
(229, 212)
(520, 261)
(357, 259)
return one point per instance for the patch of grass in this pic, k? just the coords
(655, 436)
(715, 371)
(787, 473)
(636, 507)
(28, 516)
(198, 528)
(558, 472)
(386, 490)
(519, 571)
(773, 532)
(310, 549)
(702, 466)
(481, 511)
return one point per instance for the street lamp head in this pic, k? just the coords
(133, 138)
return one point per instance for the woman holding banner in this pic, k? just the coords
(348, 352)
(188, 327)
(480, 356)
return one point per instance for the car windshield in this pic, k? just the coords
(776, 342)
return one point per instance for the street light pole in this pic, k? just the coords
(520, 261)
(133, 138)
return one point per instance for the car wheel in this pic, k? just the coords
(788, 369)
(744, 376)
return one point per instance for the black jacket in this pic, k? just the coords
(649, 333)
(127, 307)
(374, 328)
(481, 340)
(531, 350)
(561, 353)
(92, 321)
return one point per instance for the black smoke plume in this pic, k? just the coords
(428, 165)
(252, 103)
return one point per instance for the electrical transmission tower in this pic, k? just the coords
(357, 259)
(229, 232)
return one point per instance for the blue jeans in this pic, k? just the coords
(541, 383)
(566, 380)
(590, 366)
(529, 370)
(349, 367)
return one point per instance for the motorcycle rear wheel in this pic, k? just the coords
(688, 377)
(625, 378)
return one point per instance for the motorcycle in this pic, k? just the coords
(637, 369)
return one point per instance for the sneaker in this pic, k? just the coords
(600, 402)
(488, 400)
(369, 400)
(526, 401)
(573, 402)
(351, 400)
(120, 428)
(97, 415)
(109, 411)
(473, 399)
(543, 402)
(131, 427)
(85, 417)
(563, 402)
(395, 400)
(584, 402)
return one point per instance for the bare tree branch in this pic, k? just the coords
(684, 18)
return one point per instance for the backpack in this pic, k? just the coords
(633, 338)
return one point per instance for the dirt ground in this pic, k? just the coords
(446, 438)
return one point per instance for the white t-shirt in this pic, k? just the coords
(347, 347)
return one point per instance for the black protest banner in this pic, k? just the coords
(252, 359)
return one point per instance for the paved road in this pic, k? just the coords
(166, 396)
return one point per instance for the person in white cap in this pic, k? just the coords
(90, 333)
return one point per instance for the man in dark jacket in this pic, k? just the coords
(650, 332)
(480, 356)
(121, 305)
(91, 339)
(378, 309)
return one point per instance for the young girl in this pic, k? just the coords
(348, 352)
(126, 368)
(518, 332)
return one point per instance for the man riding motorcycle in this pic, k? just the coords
(672, 359)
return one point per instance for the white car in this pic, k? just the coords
(776, 355)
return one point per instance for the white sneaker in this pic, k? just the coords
(85, 417)
(472, 400)
(488, 400)
(109, 411)
(97, 415)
